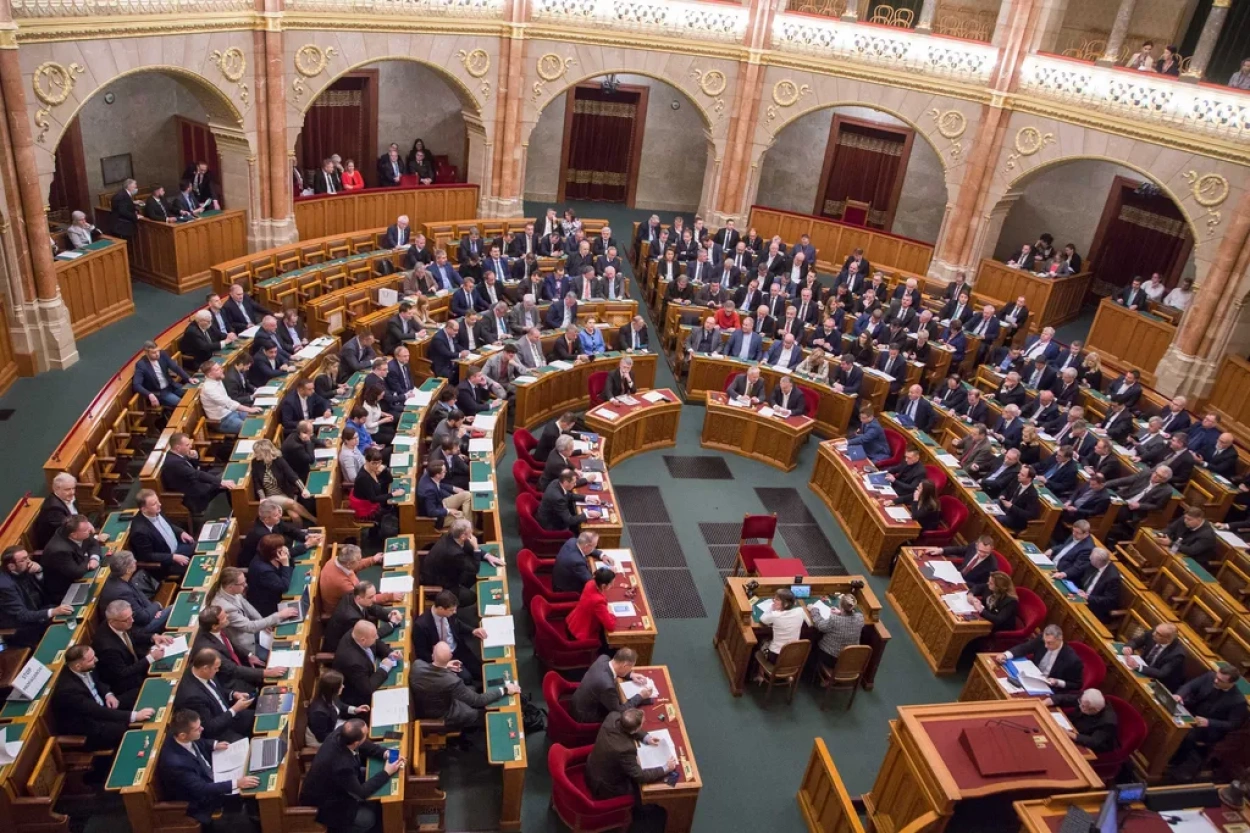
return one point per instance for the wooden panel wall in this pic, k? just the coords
(1052, 301)
(96, 288)
(1128, 339)
(373, 207)
(823, 799)
(1230, 397)
(834, 241)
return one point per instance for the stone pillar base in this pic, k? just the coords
(502, 207)
(1182, 375)
(268, 234)
(43, 338)
(717, 219)
(944, 271)
(849, 17)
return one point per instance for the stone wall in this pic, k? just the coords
(415, 101)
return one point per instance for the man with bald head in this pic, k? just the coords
(364, 663)
(439, 692)
(1158, 654)
(1223, 458)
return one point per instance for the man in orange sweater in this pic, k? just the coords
(338, 578)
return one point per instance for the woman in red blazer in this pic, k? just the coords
(591, 619)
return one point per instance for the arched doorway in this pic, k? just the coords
(362, 111)
(1120, 220)
(830, 154)
(660, 141)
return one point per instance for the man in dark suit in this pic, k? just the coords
(155, 540)
(952, 396)
(158, 379)
(398, 378)
(1056, 660)
(454, 561)
(186, 769)
(361, 659)
(1126, 389)
(612, 770)
(1218, 707)
(332, 783)
(303, 402)
(634, 335)
(1010, 428)
(149, 616)
(1020, 501)
(1010, 392)
(1132, 296)
(1143, 493)
(1094, 723)
(227, 713)
(56, 509)
(997, 474)
(186, 203)
(1099, 585)
(557, 511)
(1223, 459)
(597, 695)
(748, 385)
(180, 472)
(198, 342)
(83, 704)
(572, 570)
(847, 377)
(418, 253)
(1088, 501)
(551, 432)
(1175, 454)
(154, 207)
(241, 312)
(906, 476)
(787, 398)
(446, 278)
(269, 521)
(71, 554)
(439, 693)
(238, 386)
(560, 458)
(1118, 422)
(357, 355)
(1191, 536)
(291, 332)
(1070, 358)
(238, 670)
(443, 351)
(24, 604)
(478, 393)
(123, 655)
(360, 605)
(125, 216)
(1071, 557)
(1041, 377)
(984, 325)
(390, 168)
(1059, 473)
(398, 234)
(916, 408)
(1158, 654)
(440, 623)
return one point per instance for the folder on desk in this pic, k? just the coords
(855, 453)
(998, 750)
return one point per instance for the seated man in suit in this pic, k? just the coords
(83, 704)
(398, 234)
(444, 349)
(998, 473)
(360, 605)
(1019, 501)
(438, 500)
(1158, 654)
(226, 711)
(787, 400)
(400, 328)
(1010, 392)
(186, 769)
(745, 343)
(612, 770)
(123, 655)
(785, 353)
(158, 379)
(597, 695)
(572, 570)
(25, 606)
(1041, 376)
(551, 432)
(557, 511)
(180, 472)
(1191, 536)
(440, 623)
(1090, 500)
(154, 540)
(1010, 428)
(1143, 493)
(302, 403)
(267, 366)
(1126, 389)
(1099, 585)
(1059, 473)
(1058, 663)
(1214, 699)
(478, 393)
(870, 436)
(916, 408)
(1094, 724)
(847, 377)
(70, 555)
(1071, 557)
(620, 381)
(199, 341)
(357, 355)
(705, 338)
(364, 663)
(439, 693)
(269, 521)
(748, 387)
(333, 782)
(454, 561)
(241, 312)
(906, 476)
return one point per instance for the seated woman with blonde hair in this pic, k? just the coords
(274, 479)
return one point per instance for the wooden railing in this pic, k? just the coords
(823, 800)
(96, 286)
(1230, 398)
(834, 241)
(1051, 301)
(345, 213)
(1126, 339)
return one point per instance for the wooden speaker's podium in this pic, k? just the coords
(928, 768)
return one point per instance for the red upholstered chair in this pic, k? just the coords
(595, 384)
(898, 444)
(552, 643)
(938, 475)
(536, 580)
(811, 400)
(1001, 564)
(755, 528)
(561, 727)
(525, 443)
(730, 381)
(1094, 670)
(1031, 617)
(526, 480)
(571, 798)
(444, 171)
(534, 537)
(856, 213)
(954, 513)
(1130, 729)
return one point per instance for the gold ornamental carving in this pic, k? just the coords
(1209, 191)
(310, 61)
(53, 84)
(712, 83)
(476, 62)
(786, 93)
(550, 67)
(951, 124)
(1029, 140)
(233, 64)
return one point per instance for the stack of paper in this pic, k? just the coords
(1039, 559)
(484, 423)
(481, 445)
(947, 459)
(764, 606)
(766, 411)
(993, 508)
(308, 352)
(654, 396)
(9, 749)
(265, 401)
(898, 513)
(629, 688)
(244, 446)
(650, 757)
(525, 380)
(177, 647)
(250, 332)
(395, 584)
(1231, 538)
(420, 398)
(404, 440)
(500, 631)
(1062, 719)
(481, 486)
(323, 453)
(958, 603)
(495, 610)
(230, 763)
(820, 607)
(267, 390)
(389, 707)
(946, 571)
(561, 364)
(397, 558)
(293, 658)
(605, 413)
(1031, 677)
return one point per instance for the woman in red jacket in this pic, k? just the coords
(591, 619)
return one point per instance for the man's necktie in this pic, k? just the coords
(126, 641)
(1093, 579)
(1154, 654)
(229, 648)
(199, 756)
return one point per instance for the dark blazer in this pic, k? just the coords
(267, 583)
(1099, 733)
(294, 540)
(908, 476)
(443, 354)
(122, 670)
(345, 616)
(231, 676)
(238, 387)
(155, 209)
(219, 723)
(440, 694)
(288, 479)
(624, 339)
(612, 769)
(1168, 667)
(1224, 711)
(551, 470)
(546, 442)
(1095, 504)
(125, 216)
(24, 607)
(145, 610)
(185, 778)
(323, 716)
(977, 575)
(739, 387)
(290, 415)
(332, 783)
(1104, 596)
(233, 315)
(617, 385)
(1073, 562)
(285, 343)
(1063, 481)
(1025, 505)
(558, 511)
(361, 677)
(471, 399)
(955, 399)
(396, 237)
(78, 713)
(798, 402)
(924, 411)
(197, 346)
(450, 565)
(298, 455)
(145, 381)
(264, 370)
(323, 182)
(1001, 612)
(65, 562)
(597, 696)
(1198, 544)
(52, 514)
(430, 496)
(1223, 462)
(1067, 666)
(425, 634)
(148, 544)
(1129, 396)
(1129, 487)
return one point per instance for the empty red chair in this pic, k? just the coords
(898, 444)
(755, 529)
(533, 536)
(526, 480)
(1130, 729)
(595, 384)
(937, 474)
(552, 644)
(536, 580)
(954, 513)
(1032, 615)
(561, 727)
(1001, 564)
(524, 443)
(811, 400)
(1093, 669)
(571, 798)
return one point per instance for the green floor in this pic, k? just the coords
(751, 759)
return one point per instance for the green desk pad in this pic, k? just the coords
(495, 674)
(134, 753)
(404, 487)
(374, 766)
(186, 608)
(491, 591)
(371, 574)
(252, 427)
(301, 576)
(118, 523)
(1197, 569)
(497, 652)
(396, 637)
(392, 679)
(157, 694)
(318, 482)
(503, 747)
(237, 472)
(266, 723)
(408, 422)
(199, 572)
(397, 544)
(329, 433)
(56, 639)
(431, 384)
(268, 782)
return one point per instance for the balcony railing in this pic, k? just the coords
(93, 8)
(702, 21)
(441, 8)
(891, 48)
(1158, 99)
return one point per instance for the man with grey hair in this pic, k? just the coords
(125, 216)
(269, 521)
(524, 316)
(124, 655)
(149, 616)
(398, 235)
(199, 341)
(558, 460)
(1094, 724)
(57, 508)
(454, 560)
(1099, 585)
(1057, 662)
(79, 231)
(530, 349)
(572, 568)
(841, 628)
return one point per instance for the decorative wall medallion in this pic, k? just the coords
(1029, 140)
(551, 67)
(713, 82)
(951, 123)
(476, 63)
(786, 92)
(310, 61)
(53, 84)
(233, 63)
(484, 89)
(1209, 190)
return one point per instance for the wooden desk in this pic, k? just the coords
(738, 631)
(926, 772)
(346, 212)
(1045, 815)
(610, 526)
(633, 429)
(557, 391)
(823, 800)
(1126, 339)
(179, 256)
(1051, 301)
(708, 374)
(940, 634)
(835, 240)
(680, 799)
(875, 536)
(746, 430)
(637, 631)
(96, 285)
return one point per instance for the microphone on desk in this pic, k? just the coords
(1028, 730)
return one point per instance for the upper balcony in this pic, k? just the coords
(713, 21)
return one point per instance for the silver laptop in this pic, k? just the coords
(77, 594)
(212, 532)
(300, 605)
(267, 753)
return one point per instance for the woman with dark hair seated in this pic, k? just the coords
(371, 493)
(591, 618)
(269, 574)
(325, 709)
(923, 505)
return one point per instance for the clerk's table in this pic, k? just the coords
(755, 431)
(627, 599)
(664, 715)
(631, 425)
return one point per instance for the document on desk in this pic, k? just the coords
(323, 453)
(231, 763)
(946, 571)
(420, 398)
(525, 380)
(1062, 719)
(9, 749)
(178, 647)
(764, 606)
(395, 584)
(658, 755)
(500, 631)
(766, 411)
(629, 688)
(397, 558)
(622, 608)
(947, 459)
(820, 607)
(399, 461)
(605, 413)
(1031, 677)
(309, 352)
(561, 364)
(1190, 821)
(581, 447)
(244, 447)
(481, 486)
(389, 707)
(267, 390)
(958, 603)
(495, 610)
(1039, 559)
(286, 659)
(654, 396)
(250, 332)
(898, 513)
(1231, 538)
(484, 422)
(620, 558)
(264, 402)
(481, 445)
(404, 441)
(993, 508)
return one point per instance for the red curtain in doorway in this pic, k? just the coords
(866, 166)
(600, 145)
(1147, 235)
(336, 124)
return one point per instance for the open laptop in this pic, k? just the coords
(212, 531)
(301, 605)
(267, 753)
(77, 594)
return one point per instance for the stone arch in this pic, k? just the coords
(458, 86)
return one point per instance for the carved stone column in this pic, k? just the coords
(281, 208)
(505, 197)
(1206, 41)
(48, 336)
(1119, 31)
(927, 9)
(852, 11)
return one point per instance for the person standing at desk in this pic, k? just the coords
(332, 783)
(125, 215)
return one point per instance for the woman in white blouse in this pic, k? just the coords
(786, 619)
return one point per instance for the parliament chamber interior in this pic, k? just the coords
(684, 416)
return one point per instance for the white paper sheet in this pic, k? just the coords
(481, 486)
(401, 460)
(397, 558)
(231, 763)
(764, 606)
(320, 421)
(1062, 719)
(610, 416)
(244, 446)
(1231, 538)
(286, 659)
(993, 508)
(898, 513)
(323, 453)
(1190, 821)
(622, 608)
(481, 445)
(629, 688)
(250, 332)
(500, 631)
(484, 422)
(958, 603)
(395, 584)
(420, 398)
(823, 609)
(766, 411)
(654, 396)
(265, 639)
(495, 610)
(948, 459)
(946, 571)
(177, 647)
(1005, 684)
(389, 707)
(561, 364)
(264, 402)
(404, 441)
(657, 756)
(309, 352)
(525, 380)
(9, 749)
